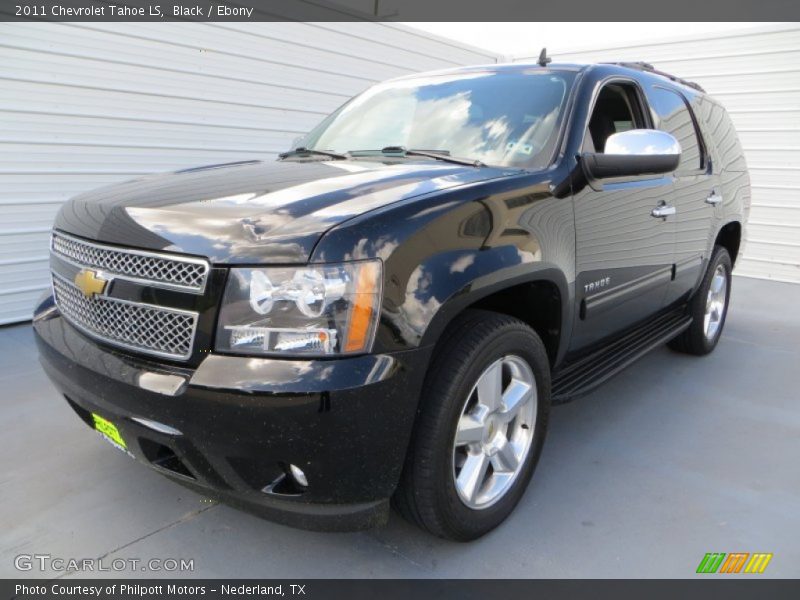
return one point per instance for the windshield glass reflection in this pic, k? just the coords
(499, 118)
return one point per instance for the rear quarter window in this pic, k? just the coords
(721, 133)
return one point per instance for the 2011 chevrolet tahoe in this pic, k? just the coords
(387, 312)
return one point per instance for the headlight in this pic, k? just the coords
(315, 310)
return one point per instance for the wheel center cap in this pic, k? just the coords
(489, 431)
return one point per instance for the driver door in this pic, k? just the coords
(624, 255)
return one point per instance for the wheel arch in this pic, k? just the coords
(729, 237)
(540, 298)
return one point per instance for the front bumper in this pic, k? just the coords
(231, 427)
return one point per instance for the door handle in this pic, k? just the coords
(713, 199)
(663, 211)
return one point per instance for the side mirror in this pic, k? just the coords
(633, 152)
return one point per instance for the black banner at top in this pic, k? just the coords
(399, 10)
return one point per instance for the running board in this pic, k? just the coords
(580, 377)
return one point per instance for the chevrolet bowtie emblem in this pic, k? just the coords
(90, 283)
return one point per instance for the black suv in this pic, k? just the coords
(388, 311)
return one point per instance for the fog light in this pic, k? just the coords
(298, 475)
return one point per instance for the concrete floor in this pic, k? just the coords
(676, 457)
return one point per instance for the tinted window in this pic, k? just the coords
(719, 127)
(615, 110)
(673, 116)
(501, 118)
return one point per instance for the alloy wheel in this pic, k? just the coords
(715, 302)
(495, 432)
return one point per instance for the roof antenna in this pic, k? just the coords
(543, 58)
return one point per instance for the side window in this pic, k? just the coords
(617, 109)
(672, 115)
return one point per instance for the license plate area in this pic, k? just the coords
(109, 432)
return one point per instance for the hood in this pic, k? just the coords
(254, 212)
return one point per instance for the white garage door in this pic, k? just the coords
(756, 75)
(82, 105)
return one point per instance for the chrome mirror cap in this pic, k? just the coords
(642, 142)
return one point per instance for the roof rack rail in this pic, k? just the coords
(643, 66)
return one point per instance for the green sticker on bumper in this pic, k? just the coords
(108, 429)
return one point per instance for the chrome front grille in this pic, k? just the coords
(158, 270)
(145, 328)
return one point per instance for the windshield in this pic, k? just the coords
(498, 118)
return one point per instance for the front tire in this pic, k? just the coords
(708, 308)
(480, 429)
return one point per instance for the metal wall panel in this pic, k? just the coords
(87, 104)
(755, 73)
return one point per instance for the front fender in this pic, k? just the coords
(444, 252)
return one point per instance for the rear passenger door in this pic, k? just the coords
(696, 192)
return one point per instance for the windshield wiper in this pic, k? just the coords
(301, 151)
(446, 157)
(437, 154)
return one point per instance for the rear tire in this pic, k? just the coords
(460, 430)
(708, 308)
